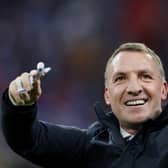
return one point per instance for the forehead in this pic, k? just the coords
(133, 61)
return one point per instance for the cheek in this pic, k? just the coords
(115, 95)
(153, 89)
(155, 93)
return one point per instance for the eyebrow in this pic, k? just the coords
(119, 74)
(140, 71)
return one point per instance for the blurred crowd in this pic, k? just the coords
(75, 38)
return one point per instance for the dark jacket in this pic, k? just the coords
(99, 146)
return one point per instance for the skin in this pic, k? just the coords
(33, 91)
(134, 75)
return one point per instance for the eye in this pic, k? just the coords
(119, 78)
(146, 77)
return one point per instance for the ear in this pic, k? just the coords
(164, 90)
(107, 96)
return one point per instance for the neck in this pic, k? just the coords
(131, 130)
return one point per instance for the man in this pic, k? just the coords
(135, 88)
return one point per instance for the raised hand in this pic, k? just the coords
(26, 88)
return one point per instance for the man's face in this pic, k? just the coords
(134, 88)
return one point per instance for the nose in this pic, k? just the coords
(134, 87)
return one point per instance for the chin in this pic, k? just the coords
(139, 119)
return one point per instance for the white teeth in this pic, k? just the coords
(135, 102)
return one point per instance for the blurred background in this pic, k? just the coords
(75, 38)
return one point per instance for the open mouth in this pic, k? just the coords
(136, 102)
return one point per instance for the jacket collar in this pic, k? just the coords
(109, 121)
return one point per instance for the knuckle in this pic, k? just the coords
(33, 72)
(24, 75)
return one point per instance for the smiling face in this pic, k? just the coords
(134, 88)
